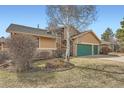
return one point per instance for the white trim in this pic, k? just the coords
(98, 49)
(75, 49)
(46, 48)
(92, 49)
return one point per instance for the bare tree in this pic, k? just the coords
(69, 16)
(52, 26)
(22, 48)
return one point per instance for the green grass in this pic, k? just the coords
(88, 72)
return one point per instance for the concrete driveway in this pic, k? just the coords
(118, 59)
(107, 57)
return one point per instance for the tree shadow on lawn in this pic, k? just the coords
(117, 74)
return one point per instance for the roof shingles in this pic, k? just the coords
(29, 30)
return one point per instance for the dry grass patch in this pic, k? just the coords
(88, 72)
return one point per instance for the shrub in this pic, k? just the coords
(42, 55)
(58, 53)
(22, 48)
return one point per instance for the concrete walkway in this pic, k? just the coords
(119, 59)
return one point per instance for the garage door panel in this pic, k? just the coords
(84, 50)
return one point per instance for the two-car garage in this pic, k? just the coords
(86, 43)
(87, 49)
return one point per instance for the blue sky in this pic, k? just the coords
(108, 16)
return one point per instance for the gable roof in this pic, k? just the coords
(29, 30)
(79, 34)
(84, 33)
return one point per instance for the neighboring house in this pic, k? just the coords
(82, 44)
(113, 46)
(2, 44)
(105, 47)
(105, 44)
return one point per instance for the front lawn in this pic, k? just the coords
(88, 72)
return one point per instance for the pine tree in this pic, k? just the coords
(120, 35)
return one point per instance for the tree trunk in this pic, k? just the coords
(67, 44)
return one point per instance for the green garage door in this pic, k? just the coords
(95, 49)
(84, 50)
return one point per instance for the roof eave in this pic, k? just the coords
(48, 36)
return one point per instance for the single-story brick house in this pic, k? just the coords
(82, 43)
